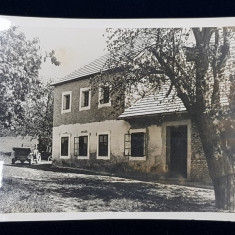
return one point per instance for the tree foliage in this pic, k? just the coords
(20, 62)
(37, 114)
(198, 66)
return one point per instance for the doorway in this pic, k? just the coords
(176, 151)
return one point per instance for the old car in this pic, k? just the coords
(46, 156)
(23, 154)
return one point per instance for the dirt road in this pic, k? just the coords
(39, 188)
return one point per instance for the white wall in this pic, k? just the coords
(117, 130)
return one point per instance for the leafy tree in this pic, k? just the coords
(196, 64)
(38, 115)
(20, 62)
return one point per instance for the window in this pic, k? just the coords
(81, 147)
(135, 144)
(85, 101)
(64, 146)
(104, 96)
(103, 146)
(85, 94)
(66, 102)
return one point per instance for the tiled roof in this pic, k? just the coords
(158, 103)
(94, 67)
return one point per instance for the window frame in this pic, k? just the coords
(100, 96)
(61, 136)
(82, 90)
(140, 158)
(88, 147)
(63, 100)
(109, 146)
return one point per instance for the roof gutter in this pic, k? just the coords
(150, 115)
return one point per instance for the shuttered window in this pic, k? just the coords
(135, 144)
(81, 146)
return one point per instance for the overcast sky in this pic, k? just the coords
(74, 45)
(78, 42)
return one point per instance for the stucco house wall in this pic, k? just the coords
(94, 114)
(95, 120)
(116, 128)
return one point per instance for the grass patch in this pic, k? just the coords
(16, 198)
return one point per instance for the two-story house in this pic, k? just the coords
(154, 135)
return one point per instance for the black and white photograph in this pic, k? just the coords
(122, 116)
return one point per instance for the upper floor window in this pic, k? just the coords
(85, 98)
(66, 102)
(104, 96)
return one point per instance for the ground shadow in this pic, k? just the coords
(146, 196)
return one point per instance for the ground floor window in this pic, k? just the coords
(64, 147)
(135, 144)
(103, 146)
(81, 146)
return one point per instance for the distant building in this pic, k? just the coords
(155, 135)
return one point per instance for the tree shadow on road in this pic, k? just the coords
(130, 196)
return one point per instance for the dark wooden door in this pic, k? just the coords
(178, 150)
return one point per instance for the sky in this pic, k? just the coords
(77, 42)
(74, 46)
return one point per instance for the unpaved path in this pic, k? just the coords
(38, 188)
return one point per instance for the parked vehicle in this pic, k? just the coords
(23, 154)
(46, 156)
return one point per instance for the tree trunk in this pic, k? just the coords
(224, 192)
(220, 164)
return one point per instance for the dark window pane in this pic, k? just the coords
(101, 138)
(86, 98)
(83, 145)
(137, 144)
(105, 138)
(64, 146)
(103, 145)
(66, 102)
(106, 94)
